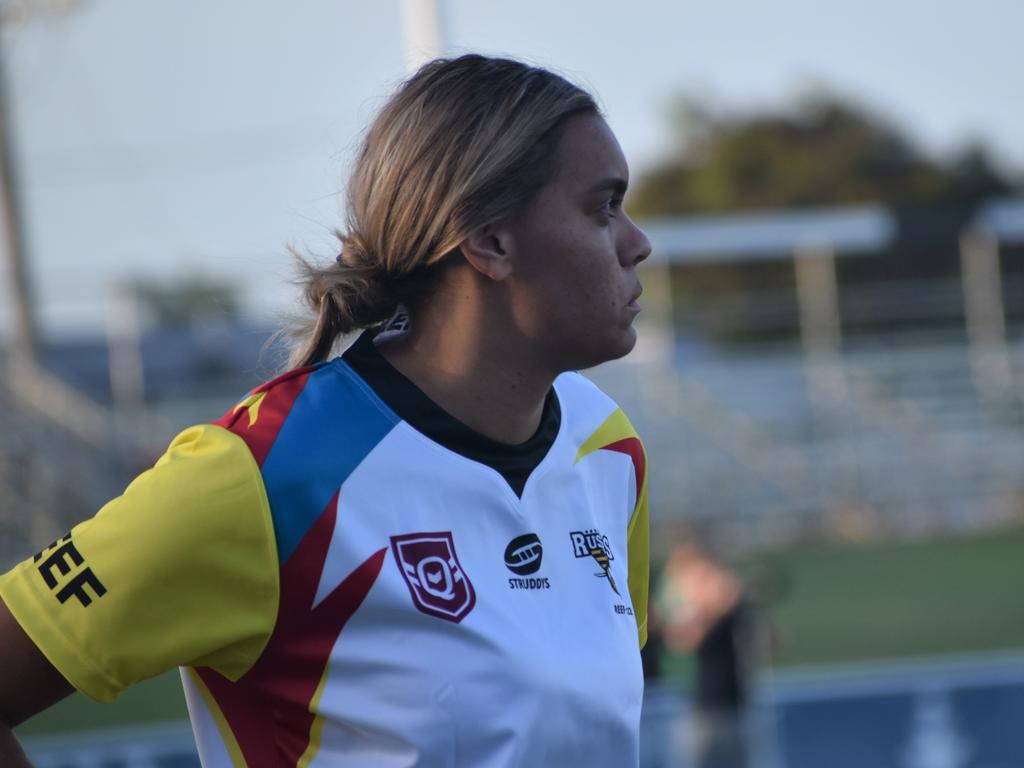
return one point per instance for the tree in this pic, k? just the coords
(823, 151)
(189, 300)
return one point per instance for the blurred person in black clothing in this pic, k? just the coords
(705, 612)
(651, 653)
(660, 701)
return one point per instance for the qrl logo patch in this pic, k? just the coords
(436, 581)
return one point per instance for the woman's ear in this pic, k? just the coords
(486, 250)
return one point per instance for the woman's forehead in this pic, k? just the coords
(589, 156)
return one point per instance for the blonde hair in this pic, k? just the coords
(465, 142)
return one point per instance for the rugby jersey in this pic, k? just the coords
(341, 589)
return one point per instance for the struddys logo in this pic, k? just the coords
(523, 557)
(523, 554)
(436, 581)
(595, 544)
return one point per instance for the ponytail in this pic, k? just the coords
(345, 295)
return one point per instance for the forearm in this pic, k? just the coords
(29, 684)
(11, 753)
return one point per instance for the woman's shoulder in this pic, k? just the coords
(308, 430)
(589, 413)
(304, 408)
(578, 393)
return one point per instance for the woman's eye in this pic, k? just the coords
(612, 206)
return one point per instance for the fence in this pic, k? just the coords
(949, 713)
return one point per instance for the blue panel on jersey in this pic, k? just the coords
(333, 424)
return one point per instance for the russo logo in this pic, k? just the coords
(594, 544)
(523, 554)
(433, 574)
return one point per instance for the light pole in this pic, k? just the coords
(24, 334)
(423, 31)
(24, 340)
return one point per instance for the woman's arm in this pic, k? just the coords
(28, 684)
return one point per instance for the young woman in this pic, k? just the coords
(431, 550)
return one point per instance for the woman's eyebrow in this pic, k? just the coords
(613, 183)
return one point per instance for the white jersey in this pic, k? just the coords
(342, 590)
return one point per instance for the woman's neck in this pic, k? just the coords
(474, 369)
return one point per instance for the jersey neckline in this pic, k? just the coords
(514, 463)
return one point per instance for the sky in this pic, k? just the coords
(174, 137)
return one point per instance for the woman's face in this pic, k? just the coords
(574, 286)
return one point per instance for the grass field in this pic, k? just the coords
(853, 603)
(837, 604)
(155, 700)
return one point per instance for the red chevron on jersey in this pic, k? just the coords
(632, 447)
(617, 434)
(258, 418)
(292, 668)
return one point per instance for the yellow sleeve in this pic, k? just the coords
(639, 544)
(180, 570)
